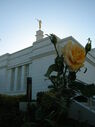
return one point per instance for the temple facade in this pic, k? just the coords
(33, 62)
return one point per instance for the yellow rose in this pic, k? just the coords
(74, 55)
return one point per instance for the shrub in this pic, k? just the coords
(9, 111)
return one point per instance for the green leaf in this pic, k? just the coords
(50, 122)
(51, 68)
(59, 60)
(72, 76)
(50, 86)
(89, 90)
(29, 124)
(60, 65)
(39, 115)
(51, 115)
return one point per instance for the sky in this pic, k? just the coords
(18, 24)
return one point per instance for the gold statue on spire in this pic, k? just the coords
(40, 23)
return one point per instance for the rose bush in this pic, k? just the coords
(52, 107)
(74, 55)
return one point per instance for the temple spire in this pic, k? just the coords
(40, 24)
(39, 33)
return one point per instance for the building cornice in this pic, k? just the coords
(43, 55)
(4, 66)
(19, 64)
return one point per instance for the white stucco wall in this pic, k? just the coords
(38, 57)
(39, 68)
(3, 76)
(89, 76)
(3, 72)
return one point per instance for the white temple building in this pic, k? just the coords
(33, 62)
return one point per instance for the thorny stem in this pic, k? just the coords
(52, 81)
(65, 70)
(54, 46)
(56, 50)
(64, 74)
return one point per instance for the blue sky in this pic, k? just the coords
(64, 18)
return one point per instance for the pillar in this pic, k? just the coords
(15, 79)
(23, 78)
